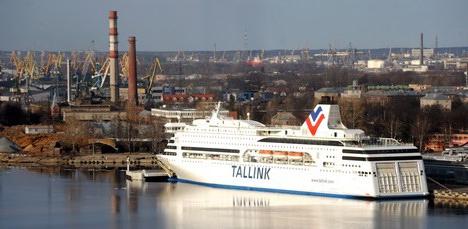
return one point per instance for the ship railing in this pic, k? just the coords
(165, 167)
(372, 141)
(444, 158)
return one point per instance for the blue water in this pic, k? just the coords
(61, 198)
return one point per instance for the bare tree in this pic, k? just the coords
(352, 113)
(132, 125)
(420, 130)
(76, 132)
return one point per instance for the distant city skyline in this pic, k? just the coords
(162, 25)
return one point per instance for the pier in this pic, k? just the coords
(146, 175)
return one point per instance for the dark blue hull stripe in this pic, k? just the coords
(416, 196)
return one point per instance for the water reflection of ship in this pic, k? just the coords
(183, 202)
(242, 201)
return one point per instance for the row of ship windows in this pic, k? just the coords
(216, 136)
(359, 173)
(219, 157)
(350, 165)
(272, 146)
(223, 131)
(302, 141)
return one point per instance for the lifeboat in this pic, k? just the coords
(280, 153)
(295, 154)
(265, 152)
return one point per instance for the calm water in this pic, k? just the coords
(60, 198)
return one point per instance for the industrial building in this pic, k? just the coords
(427, 52)
(434, 99)
(92, 113)
(375, 64)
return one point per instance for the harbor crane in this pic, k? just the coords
(154, 70)
(101, 75)
(19, 68)
(124, 67)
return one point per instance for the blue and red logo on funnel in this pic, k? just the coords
(314, 119)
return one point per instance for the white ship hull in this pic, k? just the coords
(304, 180)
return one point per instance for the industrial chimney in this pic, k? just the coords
(132, 72)
(421, 56)
(113, 57)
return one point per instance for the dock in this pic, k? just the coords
(147, 175)
(451, 194)
(162, 174)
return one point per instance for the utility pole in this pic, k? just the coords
(466, 78)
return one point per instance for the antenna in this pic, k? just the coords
(215, 112)
(245, 40)
(214, 53)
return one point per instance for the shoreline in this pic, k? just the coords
(81, 161)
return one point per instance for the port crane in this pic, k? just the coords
(101, 75)
(31, 70)
(19, 67)
(154, 70)
(26, 70)
(88, 65)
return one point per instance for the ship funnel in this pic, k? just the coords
(325, 121)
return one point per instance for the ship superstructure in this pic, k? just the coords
(320, 157)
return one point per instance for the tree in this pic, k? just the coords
(232, 102)
(12, 114)
(76, 132)
(352, 113)
(132, 123)
(420, 130)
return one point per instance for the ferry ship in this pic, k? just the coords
(321, 157)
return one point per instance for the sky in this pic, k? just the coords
(171, 25)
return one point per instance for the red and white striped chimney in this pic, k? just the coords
(113, 57)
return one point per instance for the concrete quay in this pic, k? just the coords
(98, 160)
